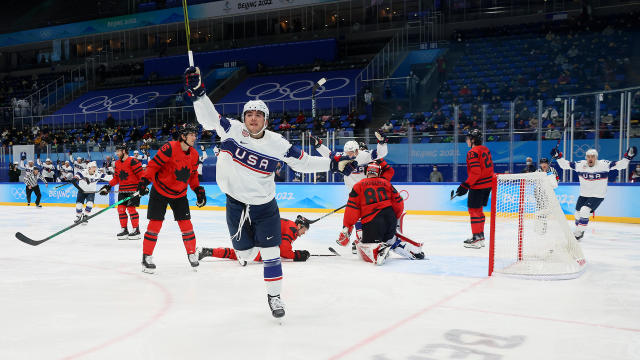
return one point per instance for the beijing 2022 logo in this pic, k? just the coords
(118, 102)
(295, 90)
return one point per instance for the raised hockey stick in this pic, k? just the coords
(63, 185)
(20, 236)
(327, 214)
(187, 31)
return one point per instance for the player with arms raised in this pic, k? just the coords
(172, 168)
(128, 171)
(594, 176)
(478, 184)
(246, 164)
(86, 181)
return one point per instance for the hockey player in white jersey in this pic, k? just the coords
(28, 168)
(66, 171)
(143, 157)
(48, 169)
(594, 176)
(201, 160)
(85, 181)
(77, 163)
(245, 173)
(363, 157)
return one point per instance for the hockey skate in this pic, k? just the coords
(578, 234)
(383, 253)
(78, 219)
(418, 256)
(123, 235)
(475, 242)
(134, 235)
(276, 305)
(354, 248)
(147, 264)
(204, 252)
(193, 260)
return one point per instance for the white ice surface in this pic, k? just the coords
(82, 295)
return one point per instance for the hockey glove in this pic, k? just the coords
(462, 189)
(301, 255)
(631, 153)
(339, 162)
(316, 142)
(345, 234)
(105, 189)
(193, 85)
(142, 186)
(201, 197)
(555, 153)
(202, 147)
(349, 168)
(382, 139)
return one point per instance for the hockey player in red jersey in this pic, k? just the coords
(379, 206)
(173, 167)
(128, 171)
(290, 231)
(478, 184)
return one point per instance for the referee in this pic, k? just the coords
(31, 181)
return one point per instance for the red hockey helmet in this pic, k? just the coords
(374, 169)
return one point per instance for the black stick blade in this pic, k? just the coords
(333, 251)
(452, 195)
(20, 236)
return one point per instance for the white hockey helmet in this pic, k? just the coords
(351, 145)
(136, 152)
(92, 164)
(258, 105)
(593, 152)
(48, 159)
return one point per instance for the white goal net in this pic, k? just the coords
(530, 236)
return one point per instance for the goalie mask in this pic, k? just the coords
(373, 169)
(257, 105)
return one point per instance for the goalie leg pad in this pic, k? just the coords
(400, 225)
(375, 253)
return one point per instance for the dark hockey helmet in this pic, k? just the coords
(363, 145)
(373, 168)
(122, 146)
(301, 220)
(186, 129)
(544, 161)
(475, 135)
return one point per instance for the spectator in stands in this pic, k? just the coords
(284, 126)
(552, 133)
(368, 101)
(465, 91)
(280, 173)
(549, 113)
(634, 177)
(435, 175)
(300, 118)
(110, 122)
(564, 78)
(14, 172)
(387, 127)
(607, 119)
(529, 167)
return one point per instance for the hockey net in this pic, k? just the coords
(530, 236)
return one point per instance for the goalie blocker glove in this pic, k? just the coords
(201, 197)
(462, 189)
(193, 85)
(631, 153)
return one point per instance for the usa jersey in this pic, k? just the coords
(87, 182)
(364, 157)
(246, 166)
(593, 179)
(479, 167)
(368, 197)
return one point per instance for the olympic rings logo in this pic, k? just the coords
(19, 194)
(118, 102)
(295, 90)
(580, 151)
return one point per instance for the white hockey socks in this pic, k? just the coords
(272, 269)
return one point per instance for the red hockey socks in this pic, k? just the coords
(188, 237)
(151, 236)
(477, 220)
(122, 213)
(224, 253)
(135, 217)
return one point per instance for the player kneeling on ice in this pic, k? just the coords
(85, 181)
(290, 231)
(594, 176)
(173, 167)
(246, 164)
(378, 204)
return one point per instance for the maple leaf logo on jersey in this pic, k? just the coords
(182, 174)
(123, 175)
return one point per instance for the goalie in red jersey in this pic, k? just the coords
(173, 167)
(128, 171)
(290, 230)
(379, 206)
(478, 184)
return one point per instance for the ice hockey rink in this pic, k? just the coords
(82, 295)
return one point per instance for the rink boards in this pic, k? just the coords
(427, 199)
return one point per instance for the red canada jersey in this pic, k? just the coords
(368, 197)
(171, 169)
(289, 231)
(479, 167)
(127, 173)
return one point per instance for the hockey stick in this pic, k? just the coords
(334, 251)
(63, 185)
(187, 31)
(453, 195)
(325, 255)
(327, 214)
(20, 236)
